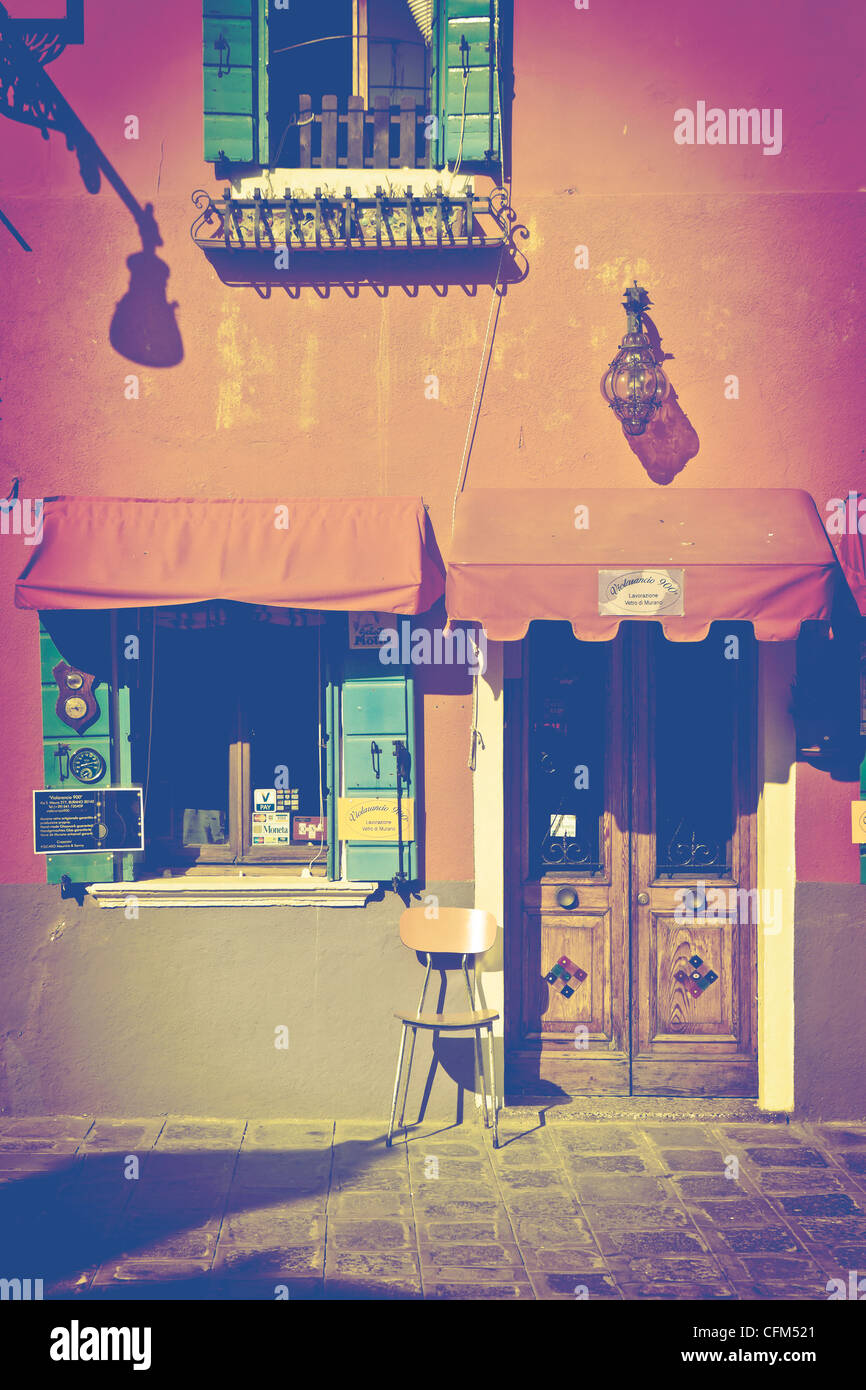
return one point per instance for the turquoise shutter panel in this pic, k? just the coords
(105, 734)
(235, 80)
(465, 45)
(377, 709)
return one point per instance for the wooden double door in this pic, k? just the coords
(630, 789)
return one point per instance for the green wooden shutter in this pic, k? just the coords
(89, 649)
(465, 39)
(235, 80)
(376, 706)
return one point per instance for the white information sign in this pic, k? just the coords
(642, 593)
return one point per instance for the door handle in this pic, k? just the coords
(223, 46)
(375, 751)
(642, 899)
(567, 898)
(62, 754)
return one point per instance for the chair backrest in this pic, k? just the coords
(454, 930)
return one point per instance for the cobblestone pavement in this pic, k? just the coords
(571, 1206)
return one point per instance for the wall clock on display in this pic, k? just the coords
(76, 702)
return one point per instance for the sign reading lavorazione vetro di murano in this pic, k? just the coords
(640, 593)
(375, 819)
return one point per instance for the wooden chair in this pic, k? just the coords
(459, 931)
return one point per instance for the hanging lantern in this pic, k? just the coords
(634, 384)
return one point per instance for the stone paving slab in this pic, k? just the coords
(578, 1203)
(181, 1132)
(22, 1161)
(149, 1271)
(48, 1127)
(288, 1134)
(123, 1136)
(262, 1289)
(277, 1261)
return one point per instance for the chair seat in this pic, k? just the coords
(455, 1020)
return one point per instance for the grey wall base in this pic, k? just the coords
(176, 1012)
(830, 1000)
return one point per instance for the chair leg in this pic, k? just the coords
(479, 1061)
(408, 1075)
(396, 1087)
(479, 1054)
(491, 1054)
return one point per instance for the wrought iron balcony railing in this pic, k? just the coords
(405, 220)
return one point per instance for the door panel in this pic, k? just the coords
(584, 937)
(602, 873)
(674, 1010)
(570, 861)
(691, 837)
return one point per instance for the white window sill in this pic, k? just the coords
(363, 182)
(232, 890)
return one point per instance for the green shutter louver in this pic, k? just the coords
(86, 646)
(467, 83)
(376, 712)
(235, 80)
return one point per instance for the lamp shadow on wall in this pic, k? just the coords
(143, 328)
(670, 439)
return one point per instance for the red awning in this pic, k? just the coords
(355, 554)
(684, 557)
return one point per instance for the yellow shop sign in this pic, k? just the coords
(858, 822)
(374, 818)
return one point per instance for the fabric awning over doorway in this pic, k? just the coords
(355, 554)
(753, 554)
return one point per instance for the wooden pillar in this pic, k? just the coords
(360, 71)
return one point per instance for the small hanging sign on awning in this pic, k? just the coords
(641, 593)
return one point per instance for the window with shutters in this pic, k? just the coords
(353, 83)
(233, 757)
(258, 737)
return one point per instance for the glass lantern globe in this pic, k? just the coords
(634, 384)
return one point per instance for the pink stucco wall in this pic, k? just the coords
(754, 264)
